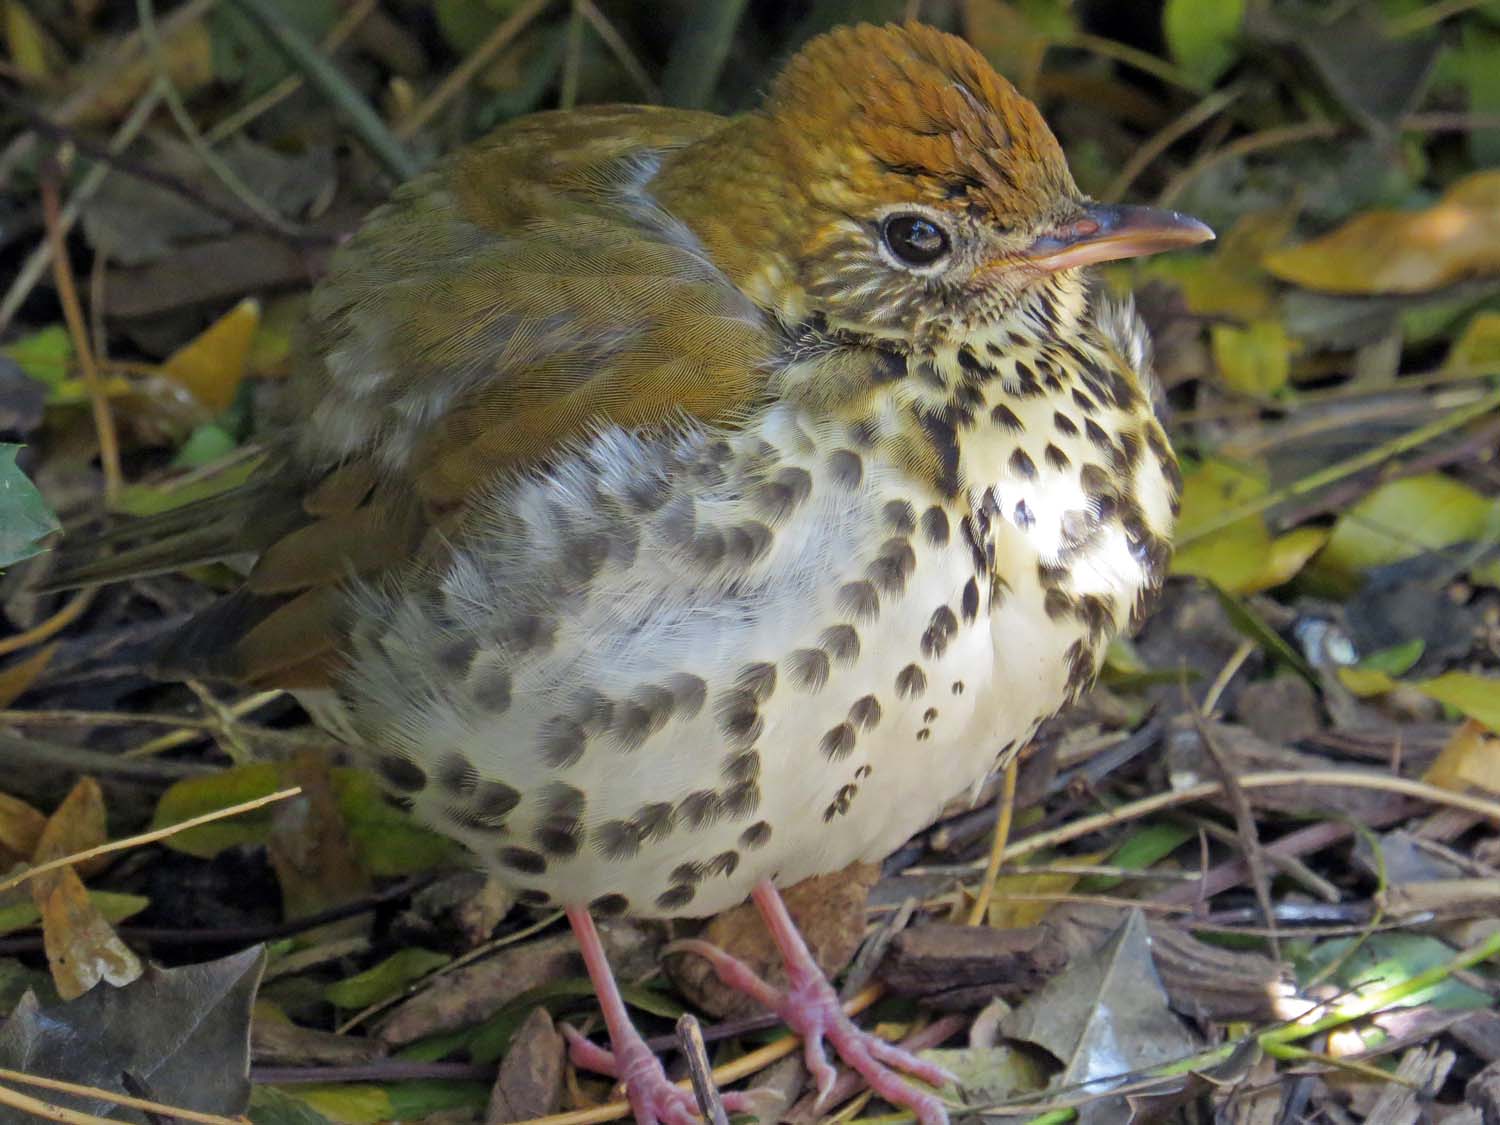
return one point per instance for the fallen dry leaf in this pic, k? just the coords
(1404, 251)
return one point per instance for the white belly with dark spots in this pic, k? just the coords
(669, 669)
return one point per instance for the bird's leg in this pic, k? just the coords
(811, 1008)
(654, 1099)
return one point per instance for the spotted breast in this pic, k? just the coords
(677, 663)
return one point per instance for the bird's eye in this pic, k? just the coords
(914, 239)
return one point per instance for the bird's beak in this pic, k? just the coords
(1104, 232)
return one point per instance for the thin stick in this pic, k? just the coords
(118, 1099)
(1341, 469)
(710, 1103)
(145, 837)
(1270, 779)
(50, 627)
(1006, 804)
(1204, 111)
(67, 292)
(465, 71)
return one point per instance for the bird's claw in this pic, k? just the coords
(654, 1099)
(811, 1008)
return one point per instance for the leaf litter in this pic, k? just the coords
(1334, 618)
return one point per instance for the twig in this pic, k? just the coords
(1270, 779)
(78, 759)
(710, 1104)
(1204, 111)
(305, 56)
(146, 13)
(55, 624)
(465, 71)
(144, 838)
(1341, 469)
(611, 38)
(1314, 131)
(1143, 61)
(348, 23)
(1005, 805)
(67, 292)
(239, 709)
(36, 264)
(123, 55)
(118, 1099)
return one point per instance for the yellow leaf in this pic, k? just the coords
(1477, 697)
(20, 829)
(1233, 557)
(30, 50)
(1404, 251)
(1010, 911)
(1365, 682)
(212, 364)
(1256, 359)
(1404, 518)
(1470, 759)
(349, 1103)
(1479, 346)
(1287, 555)
(82, 947)
(189, 51)
(18, 677)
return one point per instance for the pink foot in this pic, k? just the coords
(811, 1008)
(653, 1098)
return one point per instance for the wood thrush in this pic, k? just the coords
(674, 506)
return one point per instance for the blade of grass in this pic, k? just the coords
(303, 54)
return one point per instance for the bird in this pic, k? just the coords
(672, 507)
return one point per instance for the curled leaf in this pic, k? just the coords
(1404, 251)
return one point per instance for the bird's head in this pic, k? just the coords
(899, 186)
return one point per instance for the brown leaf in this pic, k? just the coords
(309, 847)
(75, 826)
(476, 992)
(82, 948)
(21, 829)
(1404, 251)
(530, 1082)
(829, 911)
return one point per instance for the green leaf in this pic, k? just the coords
(270, 1106)
(1385, 960)
(387, 840)
(194, 796)
(206, 444)
(1396, 660)
(1202, 34)
(1477, 697)
(46, 355)
(386, 979)
(1233, 557)
(25, 518)
(115, 908)
(1257, 359)
(1403, 519)
(1144, 847)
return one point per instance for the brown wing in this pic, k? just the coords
(518, 294)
